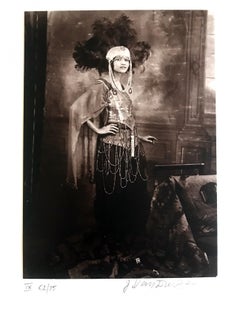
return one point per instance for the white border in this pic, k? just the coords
(207, 294)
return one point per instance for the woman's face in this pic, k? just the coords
(121, 64)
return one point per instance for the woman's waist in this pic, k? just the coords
(122, 123)
(124, 136)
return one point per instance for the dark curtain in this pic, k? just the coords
(35, 47)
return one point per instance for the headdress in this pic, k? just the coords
(123, 52)
(105, 35)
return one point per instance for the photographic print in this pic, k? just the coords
(120, 173)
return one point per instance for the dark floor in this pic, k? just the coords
(85, 255)
(60, 241)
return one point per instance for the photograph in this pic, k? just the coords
(119, 145)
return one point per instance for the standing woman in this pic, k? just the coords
(121, 201)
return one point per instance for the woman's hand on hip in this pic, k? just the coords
(109, 129)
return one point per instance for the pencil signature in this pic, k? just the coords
(155, 283)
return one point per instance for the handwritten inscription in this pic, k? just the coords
(159, 283)
(28, 286)
(42, 287)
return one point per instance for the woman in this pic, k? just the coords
(121, 202)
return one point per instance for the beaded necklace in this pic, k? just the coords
(116, 153)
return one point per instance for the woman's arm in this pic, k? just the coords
(148, 139)
(109, 129)
(113, 129)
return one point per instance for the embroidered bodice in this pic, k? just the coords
(120, 109)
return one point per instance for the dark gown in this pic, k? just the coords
(121, 201)
(121, 206)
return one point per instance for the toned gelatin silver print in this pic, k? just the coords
(119, 144)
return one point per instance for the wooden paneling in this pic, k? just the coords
(191, 138)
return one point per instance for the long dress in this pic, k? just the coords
(121, 201)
